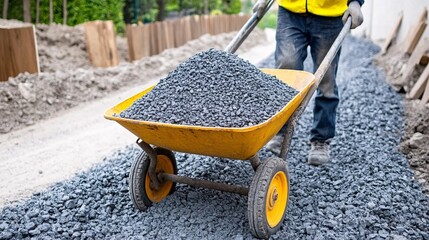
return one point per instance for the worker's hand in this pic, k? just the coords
(356, 14)
(259, 7)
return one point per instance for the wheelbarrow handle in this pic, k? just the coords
(247, 29)
(320, 73)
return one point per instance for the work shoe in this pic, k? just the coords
(275, 144)
(319, 153)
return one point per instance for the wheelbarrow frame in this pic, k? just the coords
(290, 124)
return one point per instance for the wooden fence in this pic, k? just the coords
(19, 47)
(417, 51)
(153, 38)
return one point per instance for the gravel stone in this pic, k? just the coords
(34, 232)
(33, 213)
(215, 89)
(6, 235)
(365, 158)
(70, 204)
(4, 226)
(44, 227)
(30, 226)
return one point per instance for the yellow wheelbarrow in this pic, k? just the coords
(153, 173)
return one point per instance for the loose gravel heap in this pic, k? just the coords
(366, 192)
(214, 89)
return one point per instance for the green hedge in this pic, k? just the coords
(78, 11)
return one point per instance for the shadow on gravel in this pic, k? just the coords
(366, 192)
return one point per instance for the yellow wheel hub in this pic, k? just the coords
(164, 165)
(276, 199)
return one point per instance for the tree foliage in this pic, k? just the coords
(120, 11)
(231, 6)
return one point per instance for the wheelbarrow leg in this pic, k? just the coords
(290, 126)
(154, 183)
(255, 161)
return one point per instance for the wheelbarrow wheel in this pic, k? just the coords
(268, 197)
(142, 195)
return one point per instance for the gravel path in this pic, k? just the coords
(366, 192)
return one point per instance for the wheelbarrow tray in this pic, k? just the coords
(235, 143)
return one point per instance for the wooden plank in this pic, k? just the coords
(187, 29)
(178, 33)
(138, 41)
(229, 23)
(392, 35)
(224, 23)
(160, 36)
(193, 27)
(423, 15)
(425, 98)
(424, 60)
(202, 25)
(129, 35)
(101, 43)
(237, 25)
(205, 25)
(197, 20)
(232, 23)
(18, 51)
(168, 34)
(145, 42)
(412, 62)
(415, 32)
(154, 49)
(215, 23)
(218, 22)
(211, 25)
(418, 88)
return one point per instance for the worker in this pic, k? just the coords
(315, 24)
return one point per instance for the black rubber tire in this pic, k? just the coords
(137, 178)
(256, 211)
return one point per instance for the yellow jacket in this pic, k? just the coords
(326, 8)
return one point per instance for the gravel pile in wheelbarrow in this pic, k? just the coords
(215, 89)
(366, 192)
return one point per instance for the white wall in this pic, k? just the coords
(381, 15)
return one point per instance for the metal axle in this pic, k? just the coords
(204, 183)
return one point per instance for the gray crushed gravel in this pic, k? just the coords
(366, 192)
(215, 89)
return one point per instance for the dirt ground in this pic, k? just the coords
(415, 142)
(66, 131)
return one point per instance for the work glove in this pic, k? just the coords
(259, 7)
(356, 14)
